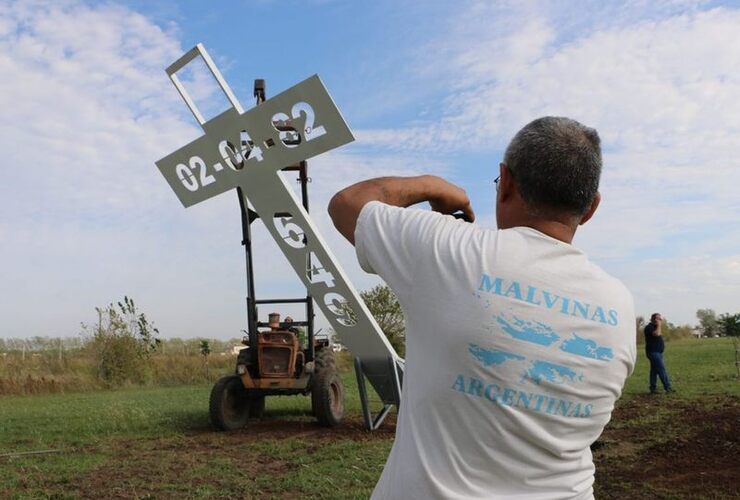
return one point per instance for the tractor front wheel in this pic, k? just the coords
(327, 397)
(229, 404)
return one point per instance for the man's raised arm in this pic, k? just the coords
(444, 197)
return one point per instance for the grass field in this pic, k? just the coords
(156, 442)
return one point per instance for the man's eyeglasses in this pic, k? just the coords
(496, 181)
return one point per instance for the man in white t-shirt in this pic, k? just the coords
(517, 346)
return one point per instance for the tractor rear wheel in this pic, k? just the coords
(229, 405)
(325, 359)
(327, 397)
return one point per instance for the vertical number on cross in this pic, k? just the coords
(316, 273)
(340, 308)
(290, 232)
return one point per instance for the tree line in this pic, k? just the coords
(67, 345)
(724, 325)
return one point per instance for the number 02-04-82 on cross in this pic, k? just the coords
(297, 124)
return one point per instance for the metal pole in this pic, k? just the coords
(251, 306)
(252, 314)
(303, 177)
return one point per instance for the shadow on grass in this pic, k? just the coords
(281, 424)
(198, 421)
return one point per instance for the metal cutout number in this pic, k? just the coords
(188, 178)
(316, 273)
(289, 135)
(290, 232)
(308, 129)
(340, 308)
(236, 158)
(205, 177)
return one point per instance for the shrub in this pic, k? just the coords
(385, 307)
(121, 344)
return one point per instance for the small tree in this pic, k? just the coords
(708, 322)
(205, 350)
(139, 325)
(122, 342)
(639, 325)
(674, 332)
(385, 308)
(729, 325)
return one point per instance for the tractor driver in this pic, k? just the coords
(289, 325)
(502, 398)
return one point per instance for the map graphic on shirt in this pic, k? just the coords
(489, 357)
(586, 348)
(557, 374)
(535, 371)
(529, 331)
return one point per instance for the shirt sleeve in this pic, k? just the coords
(393, 242)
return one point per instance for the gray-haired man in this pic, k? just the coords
(517, 345)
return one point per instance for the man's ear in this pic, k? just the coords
(506, 186)
(591, 210)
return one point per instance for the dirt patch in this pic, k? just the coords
(655, 447)
(207, 463)
(277, 428)
(670, 448)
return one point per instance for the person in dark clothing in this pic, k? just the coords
(654, 347)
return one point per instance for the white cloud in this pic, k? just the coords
(87, 109)
(656, 79)
(684, 285)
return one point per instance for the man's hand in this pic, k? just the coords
(450, 199)
(444, 197)
(658, 322)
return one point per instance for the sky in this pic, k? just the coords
(434, 87)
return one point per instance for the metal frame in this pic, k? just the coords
(247, 217)
(201, 170)
(373, 423)
(189, 56)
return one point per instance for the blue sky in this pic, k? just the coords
(427, 87)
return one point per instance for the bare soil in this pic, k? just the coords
(660, 447)
(175, 462)
(655, 447)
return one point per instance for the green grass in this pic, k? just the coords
(93, 428)
(82, 419)
(157, 443)
(73, 420)
(697, 367)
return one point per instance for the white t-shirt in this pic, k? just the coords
(517, 348)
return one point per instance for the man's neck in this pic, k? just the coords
(560, 230)
(555, 229)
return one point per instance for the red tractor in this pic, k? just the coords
(283, 367)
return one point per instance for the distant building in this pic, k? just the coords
(235, 350)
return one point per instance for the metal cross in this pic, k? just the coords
(247, 149)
